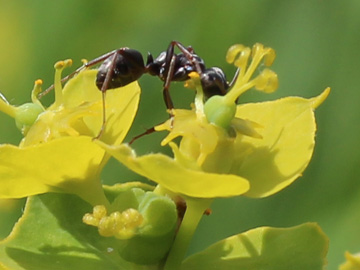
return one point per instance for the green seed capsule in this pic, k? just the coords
(26, 115)
(219, 112)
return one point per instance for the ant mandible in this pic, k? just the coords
(123, 66)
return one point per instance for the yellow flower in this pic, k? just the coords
(57, 153)
(352, 262)
(254, 149)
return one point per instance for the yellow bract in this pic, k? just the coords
(274, 162)
(209, 163)
(176, 177)
(68, 164)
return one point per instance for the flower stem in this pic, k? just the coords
(194, 212)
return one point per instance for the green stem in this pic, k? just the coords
(194, 212)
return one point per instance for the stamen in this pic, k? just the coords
(59, 67)
(35, 92)
(199, 97)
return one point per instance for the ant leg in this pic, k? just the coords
(166, 93)
(104, 87)
(189, 54)
(170, 67)
(234, 78)
(84, 66)
(146, 132)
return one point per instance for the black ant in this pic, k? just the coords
(123, 66)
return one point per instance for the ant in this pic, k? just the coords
(123, 66)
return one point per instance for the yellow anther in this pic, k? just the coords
(267, 81)
(89, 219)
(120, 225)
(99, 211)
(233, 52)
(194, 75)
(194, 80)
(269, 57)
(106, 227)
(38, 82)
(59, 65)
(132, 218)
(63, 64)
(68, 62)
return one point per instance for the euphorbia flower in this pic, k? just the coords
(57, 153)
(227, 149)
(254, 149)
(352, 262)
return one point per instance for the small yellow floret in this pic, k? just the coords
(122, 225)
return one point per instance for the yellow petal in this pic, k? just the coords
(68, 164)
(274, 162)
(171, 175)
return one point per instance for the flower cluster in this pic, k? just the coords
(226, 149)
(57, 153)
(222, 150)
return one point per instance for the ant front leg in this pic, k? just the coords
(146, 132)
(185, 63)
(166, 94)
(84, 66)
(189, 54)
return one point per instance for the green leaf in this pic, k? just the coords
(51, 235)
(302, 247)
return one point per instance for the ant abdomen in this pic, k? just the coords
(127, 67)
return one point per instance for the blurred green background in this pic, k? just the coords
(317, 44)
